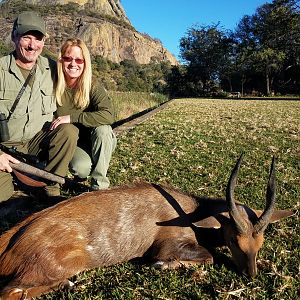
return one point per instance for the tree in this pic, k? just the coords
(205, 50)
(269, 62)
(271, 39)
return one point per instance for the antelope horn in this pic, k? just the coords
(241, 226)
(264, 219)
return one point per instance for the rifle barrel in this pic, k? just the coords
(23, 167)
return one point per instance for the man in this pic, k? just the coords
(29, 121)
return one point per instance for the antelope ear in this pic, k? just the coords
(209, 222)
(277, 214)
(215, 222)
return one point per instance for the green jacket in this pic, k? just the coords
(36, 105)
(100, 110)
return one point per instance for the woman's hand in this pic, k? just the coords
(5, 159)
(60, 120)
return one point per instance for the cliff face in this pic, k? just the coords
(108, 39)
(107, 31)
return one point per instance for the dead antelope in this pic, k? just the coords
(112, 226)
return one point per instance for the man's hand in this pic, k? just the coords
(60, 120)
(5, 159)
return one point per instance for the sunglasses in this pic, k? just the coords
(78, 61)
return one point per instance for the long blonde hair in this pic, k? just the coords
(81, 97)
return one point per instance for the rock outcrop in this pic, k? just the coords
(107, 31)
(107, 7)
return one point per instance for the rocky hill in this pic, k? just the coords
(107, 7)
(102, 24)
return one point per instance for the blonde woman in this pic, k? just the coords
(84, 103)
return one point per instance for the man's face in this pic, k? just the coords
(29, 46)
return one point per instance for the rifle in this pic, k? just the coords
(23, 157)
(27, 165)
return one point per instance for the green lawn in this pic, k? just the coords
(193, 145)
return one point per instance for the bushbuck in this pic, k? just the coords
(116, 225)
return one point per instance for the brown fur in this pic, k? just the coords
(112, 226)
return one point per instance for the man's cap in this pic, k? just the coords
(29, 21)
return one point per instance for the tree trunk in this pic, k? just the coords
(230, 84)
(267, 83)
(243, 80)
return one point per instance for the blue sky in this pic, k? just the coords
(169, 20)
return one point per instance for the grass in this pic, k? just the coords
(129, 103)
(193, 145)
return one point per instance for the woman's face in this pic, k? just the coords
(73, 64)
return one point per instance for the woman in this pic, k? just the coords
(83, 102)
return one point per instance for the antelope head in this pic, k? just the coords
(241, 227)
(244, 233)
